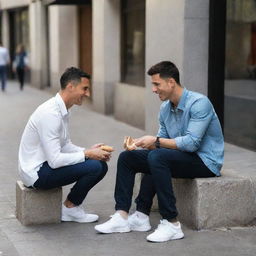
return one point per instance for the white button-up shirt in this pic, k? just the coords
(46, 138)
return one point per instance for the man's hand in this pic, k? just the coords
(146, 142)
(97, 154)
(98, 145)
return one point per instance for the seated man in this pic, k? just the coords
(189, 144)
(47, 157)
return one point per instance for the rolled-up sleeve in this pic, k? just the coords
(162, 131)
(49, 132)
(201, 113)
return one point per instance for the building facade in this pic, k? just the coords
(212, 42)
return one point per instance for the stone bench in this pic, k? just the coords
(206, 203)
(38, 206)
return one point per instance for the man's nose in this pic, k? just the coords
(88, 93)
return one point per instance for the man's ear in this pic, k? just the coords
(171, 81)
(69, 86)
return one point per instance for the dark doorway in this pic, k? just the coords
(85, 38)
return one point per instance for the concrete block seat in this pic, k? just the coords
(38, 206)
(206, 203)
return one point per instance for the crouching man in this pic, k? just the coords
(47, 157)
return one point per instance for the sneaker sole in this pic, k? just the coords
(77, 220)
(120, 230)
(176, 237)
(139, 229)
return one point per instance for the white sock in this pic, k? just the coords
(141, 215)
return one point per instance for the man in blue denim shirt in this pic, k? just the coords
(189, 144)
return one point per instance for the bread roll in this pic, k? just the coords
(129, 143)
(107, 148)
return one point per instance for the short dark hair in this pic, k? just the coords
(165, 69)
(72, 75)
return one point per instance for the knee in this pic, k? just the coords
(154, 156)
(129, 156)
(99, 169)
(124, 156)
(104, 168)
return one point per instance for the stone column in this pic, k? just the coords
(5, 28)
(164, 41)
(106, 53)
(196, 45)
(63, 41)
(38, 42)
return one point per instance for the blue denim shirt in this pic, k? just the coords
(195, 127)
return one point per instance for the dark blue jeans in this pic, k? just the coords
(86, 175)
(21, 76)
(159, 166)
(3, 75)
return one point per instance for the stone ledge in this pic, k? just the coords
(38, 206)
(207, 203)
(215, 202)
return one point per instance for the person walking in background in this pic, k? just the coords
(4, 61)
(20, 64)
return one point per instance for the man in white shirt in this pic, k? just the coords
(47, 157)
(4, 61)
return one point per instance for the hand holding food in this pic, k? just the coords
(129, 143)
(107, 148)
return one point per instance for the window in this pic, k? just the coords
(240, 73)
(133, 42)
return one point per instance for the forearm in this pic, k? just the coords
(149, 142)
(56, 160)
(70, 147)
(167, 143)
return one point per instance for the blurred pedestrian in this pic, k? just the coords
(4, 61)
(20, 64)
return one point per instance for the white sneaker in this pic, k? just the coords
(117, 224)
(138, 223)
(77, 214)
(166, 231)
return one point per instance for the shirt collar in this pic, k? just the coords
(61, 104)
(182, 100)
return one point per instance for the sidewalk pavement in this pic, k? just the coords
(68, 239)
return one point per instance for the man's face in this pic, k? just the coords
(163, 87)
(81, 91)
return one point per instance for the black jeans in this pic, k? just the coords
(3, 76)
(86, 175)
(21, 76)
(159, 166)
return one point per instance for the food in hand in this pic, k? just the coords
(129, 143)
(107, 148)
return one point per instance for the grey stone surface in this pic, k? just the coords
(195, 60)
(38, 206)
(197, 9)
(215, 202)
(128, 108)
(106, 53)
(165, 40)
